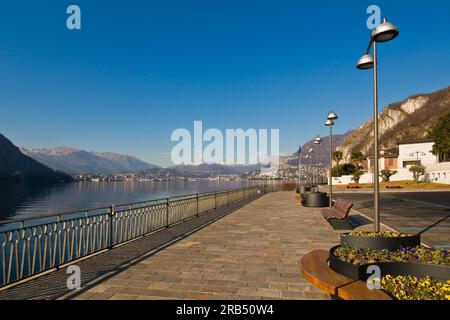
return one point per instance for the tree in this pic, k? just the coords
(386, 174)
(440, 133)
(357, 175)
(417, 171)
(337, 156)
(344, 169)
(356, 158)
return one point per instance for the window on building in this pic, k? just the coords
(411, 163)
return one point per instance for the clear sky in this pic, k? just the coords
(138, 69)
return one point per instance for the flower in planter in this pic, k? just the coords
(418, 254)
(413, 288)
(387, 234)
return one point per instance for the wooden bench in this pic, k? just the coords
(314, 267)
(353, 186)
(339, 211)
(393, 185)
(337, 217)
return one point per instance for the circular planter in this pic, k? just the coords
(379, 243)
(359, 272)
(316, 200)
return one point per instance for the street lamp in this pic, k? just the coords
(386, 31)
(417, 153)
(330, 123)
(311, 151)
(317, 141)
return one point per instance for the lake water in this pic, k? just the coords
(20, 201)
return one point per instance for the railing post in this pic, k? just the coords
(215, 201)
(111, 231)
(167, 212)
(198, 205)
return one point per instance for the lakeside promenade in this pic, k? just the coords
(252, 253)
(249, 250)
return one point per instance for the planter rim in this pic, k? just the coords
(379, 237)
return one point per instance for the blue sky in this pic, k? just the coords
(140, 69)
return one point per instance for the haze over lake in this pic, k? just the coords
(20, 201)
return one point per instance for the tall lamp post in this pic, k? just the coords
(330, 123)
(317, 142)
(386, 31)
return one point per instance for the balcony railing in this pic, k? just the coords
(35, 245)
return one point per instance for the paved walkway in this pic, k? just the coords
(252, 253)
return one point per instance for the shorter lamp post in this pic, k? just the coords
(311, 151)
(329, 123)
(317, 142)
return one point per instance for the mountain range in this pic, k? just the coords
(323, 148)
(14, 165)
(72, 160)
(407, 120)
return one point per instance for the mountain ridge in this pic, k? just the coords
(74, 161)
(409, 119)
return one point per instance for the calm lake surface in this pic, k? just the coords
(20, 201)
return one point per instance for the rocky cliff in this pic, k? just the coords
(406, 120)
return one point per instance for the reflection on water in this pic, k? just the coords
(25, 200)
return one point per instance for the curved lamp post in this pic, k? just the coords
(317, 142)
(386, 31)
(330, 123)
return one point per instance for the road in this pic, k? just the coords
(410, 212)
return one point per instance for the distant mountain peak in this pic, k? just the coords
(74, 160)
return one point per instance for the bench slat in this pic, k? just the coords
(358, 291)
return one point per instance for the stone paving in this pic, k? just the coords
(252, 253)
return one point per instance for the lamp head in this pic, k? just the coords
(332, 116)
(318, 140)
(365, 62)
(386, 31)
(329, 122)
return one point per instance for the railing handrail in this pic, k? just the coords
(67, 213)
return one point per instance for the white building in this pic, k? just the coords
(415, 152)
(410, 153)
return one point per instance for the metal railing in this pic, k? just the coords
(35, 245)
